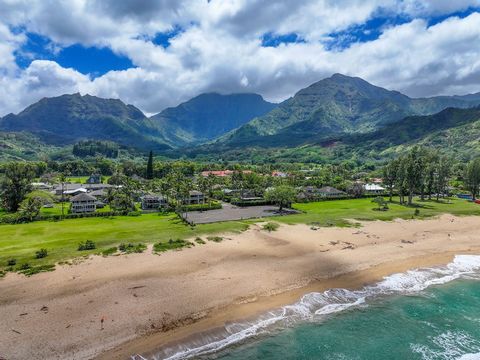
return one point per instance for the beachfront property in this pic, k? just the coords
(83, 203)
(194, 198)
(373, 189)
(153, 202)
(331, 192)
(310, 193)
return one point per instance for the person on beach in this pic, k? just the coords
(102, 320)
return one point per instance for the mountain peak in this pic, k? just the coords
(210, 115)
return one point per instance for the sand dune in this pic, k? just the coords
(149, 300)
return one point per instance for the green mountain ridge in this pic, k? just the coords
(334, 106)
(208, 116)
(67, 119)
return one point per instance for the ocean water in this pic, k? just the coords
(431, 313)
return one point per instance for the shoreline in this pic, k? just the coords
(251, 310)
(149, 301)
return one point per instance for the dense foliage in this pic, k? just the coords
(95, 148)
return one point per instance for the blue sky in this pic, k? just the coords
(155, 54)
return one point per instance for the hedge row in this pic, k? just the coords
(250, 203)
(17, 219)
(204, 207)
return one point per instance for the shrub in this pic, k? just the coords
(87, 245)
(25, 266)
(134, 213)
(132, 248)
(199, 240)
(12, 262)
(37, 269)
(109, 251)
(416, 212)
(215, 238)
(270, 226)
(214, 205)
(40, 254)
(171, 244)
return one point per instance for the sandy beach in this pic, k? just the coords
(147, 301)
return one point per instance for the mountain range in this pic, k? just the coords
(335, 106)
(342, 110)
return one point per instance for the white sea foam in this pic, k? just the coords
(470, 357)
(448, 345)
(315, 306)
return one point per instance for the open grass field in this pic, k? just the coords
(83, 179)
(337, 212)
(61, 238)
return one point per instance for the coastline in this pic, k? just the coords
(150, 301)
(237, 313)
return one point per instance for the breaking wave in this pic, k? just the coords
(314, 307)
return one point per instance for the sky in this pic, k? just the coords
(155, 54)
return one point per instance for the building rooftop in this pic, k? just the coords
(83, 197)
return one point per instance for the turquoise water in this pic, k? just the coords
(430, 313)
(441, 323)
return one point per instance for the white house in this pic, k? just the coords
(373, 189)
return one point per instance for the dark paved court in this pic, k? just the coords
(231, 212)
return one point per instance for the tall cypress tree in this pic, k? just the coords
(150, 166)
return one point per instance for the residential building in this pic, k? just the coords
(194, 198)
(83, 203)
(41, 186)
(330, 192)
(373, 189)
(153, 202)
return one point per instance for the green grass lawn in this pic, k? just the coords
(338, 211)
(83, 179)
(61, 238)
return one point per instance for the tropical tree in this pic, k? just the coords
(472, 177)
(442, 176)
(390, 174)
(16, 184)
(149, 173)
(30, 207)
(380, 201)
(122, 198)
(282, 195)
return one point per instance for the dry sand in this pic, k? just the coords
(151, 300)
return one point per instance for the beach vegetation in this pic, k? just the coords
(215, 238)
(12, 262)
(40, 254)
(87, 245)
(199, 240)
(129, 248)
(171, 244)
(270, 226)
(110, 251)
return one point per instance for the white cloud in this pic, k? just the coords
(220, 48)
